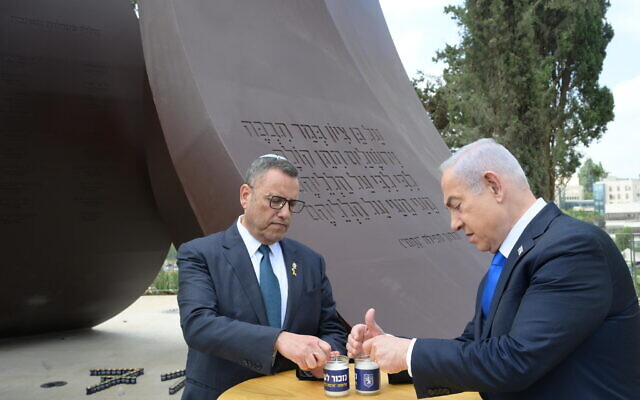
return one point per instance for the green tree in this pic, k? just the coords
(430, 91)
(165, 282)
(526, 73)
(624, 238)
(172, 255)
(587, 216)
(589, 174)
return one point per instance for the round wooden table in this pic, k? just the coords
(285, 385)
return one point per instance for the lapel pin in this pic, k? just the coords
(294, 266)
(520, 250)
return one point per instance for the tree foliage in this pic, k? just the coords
(525, 73)
(624, 238)
(591, 217)
(172, 255)
(589, 174)
(431, 93)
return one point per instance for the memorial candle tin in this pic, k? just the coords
(367, 376)
(336, 376)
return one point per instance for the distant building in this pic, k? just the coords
(573, 190)
(618, 200)
(620, 215)
(571, 196)
(599, 197)
(620, 191)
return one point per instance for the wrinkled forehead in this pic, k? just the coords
(448, 180)
(453, 188)
(273, 175)
(447, 184)
(277, 182)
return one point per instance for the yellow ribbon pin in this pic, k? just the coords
(294, 266)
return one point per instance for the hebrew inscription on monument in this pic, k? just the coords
(92, 187)
(377, 189)
(320, 83)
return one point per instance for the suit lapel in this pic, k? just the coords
(295, 281)
(525, 243)
(237, 256)
(477, 317)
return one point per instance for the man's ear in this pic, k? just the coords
(245, 191)
(493, 184)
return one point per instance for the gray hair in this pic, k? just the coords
(470, 163)
(264, 163)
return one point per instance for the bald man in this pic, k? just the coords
(556, 315)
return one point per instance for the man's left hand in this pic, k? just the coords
(317, 372)
(389, 352)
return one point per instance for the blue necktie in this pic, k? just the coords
(492, 280)
(270, 288)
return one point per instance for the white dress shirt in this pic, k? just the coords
(277, 263)
(519, 227)
(505, 249)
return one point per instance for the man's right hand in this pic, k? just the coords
(363, 332)
(308, 352)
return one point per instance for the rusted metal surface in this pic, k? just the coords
(91, 189)
(320, 83)
(81, 235)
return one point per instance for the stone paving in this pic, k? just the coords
(145, 335)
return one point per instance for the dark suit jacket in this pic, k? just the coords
(223, 317)
(564, 323)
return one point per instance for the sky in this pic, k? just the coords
(420, 27)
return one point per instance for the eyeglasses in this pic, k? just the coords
(278, 202)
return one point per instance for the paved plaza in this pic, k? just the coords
(145, 335)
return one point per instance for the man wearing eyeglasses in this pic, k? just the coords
(253, 302)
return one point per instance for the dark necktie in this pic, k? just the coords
(492, 280)
(270, 288)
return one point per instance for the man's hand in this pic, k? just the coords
(308, 352)
(318, 372)
(362, 332)
(389, 352)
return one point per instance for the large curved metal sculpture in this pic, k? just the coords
(320, 83)
(81, 234)
(89, 178)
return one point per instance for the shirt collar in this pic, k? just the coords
(252, 244)
(519, 227)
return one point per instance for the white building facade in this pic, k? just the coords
(621, 191)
